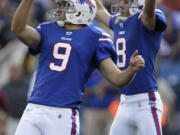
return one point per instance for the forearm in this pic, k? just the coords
(148, 16)
(112, 73)
(124, 78)
(99, 5)
(20, 17)
(102, 14)
(27, 34)
(149, 8)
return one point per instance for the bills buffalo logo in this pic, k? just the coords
(89, 3)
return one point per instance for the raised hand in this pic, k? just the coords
(136, 62)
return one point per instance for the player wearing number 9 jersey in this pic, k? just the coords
(68, 60)
(70, 49)
(137, 25)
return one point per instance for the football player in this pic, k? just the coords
(137, 25)
(70, 49)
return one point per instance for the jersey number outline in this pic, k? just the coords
(121, 52)
(60, 56)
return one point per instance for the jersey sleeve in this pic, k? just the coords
(105, 48)
(32, 51)
(161, 22)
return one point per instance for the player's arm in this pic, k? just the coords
(121, 78)
(19, 27)
(102, 14)
(148, 14)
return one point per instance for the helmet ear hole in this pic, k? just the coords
(78, 14)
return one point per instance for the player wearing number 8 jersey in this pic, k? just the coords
(137, 25)
(70, 49)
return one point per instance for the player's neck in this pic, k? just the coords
(69, 26)
(124, 16)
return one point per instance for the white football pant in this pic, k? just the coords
(45, 120)
(138, 114)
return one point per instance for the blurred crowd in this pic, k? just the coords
(101, 99)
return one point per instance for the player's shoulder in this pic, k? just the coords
(100, 32)
(159, 12)
(103, 36)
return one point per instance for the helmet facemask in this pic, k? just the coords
(59, 13)
(131, 7)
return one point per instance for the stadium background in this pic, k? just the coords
(17, 68)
